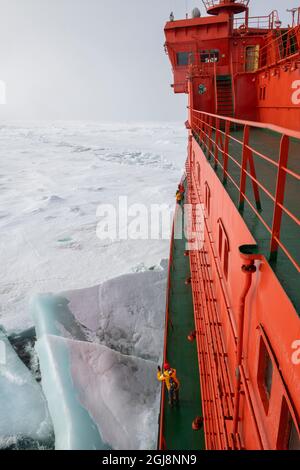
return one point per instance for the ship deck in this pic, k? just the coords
(268, 143)
(182, 355)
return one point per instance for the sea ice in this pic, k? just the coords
(23, 408)
(98, 398)
(74, 429)
(98, 351)
(125, 313)
(53, 177)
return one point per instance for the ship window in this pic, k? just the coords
(207, 198)
(265, 375)
(210, 56)
(185, 58)
(288, 437)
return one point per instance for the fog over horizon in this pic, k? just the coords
(95, 59)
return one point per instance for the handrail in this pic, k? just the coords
(210, 130)
(259, 125)
(281, 47)
(258, 22)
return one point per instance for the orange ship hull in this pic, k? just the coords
(243, 172)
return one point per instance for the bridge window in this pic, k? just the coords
(265, 375)
(210, 56)
(185, 58)
(288, 437)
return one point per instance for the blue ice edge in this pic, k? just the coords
(73, 426)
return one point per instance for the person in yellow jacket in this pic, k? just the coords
(169, 377)
(179, 197)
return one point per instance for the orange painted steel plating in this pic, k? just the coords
(206, 125)
(245, 326)
(261, 59)
(214, 314)
(248, 269)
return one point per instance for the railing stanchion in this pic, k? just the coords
(243, 178)
(279, 197)
(217, 139)
(225, 151)
(210, 127)
(210, 137)
(206, 124)
(254, 180)
(202, 124)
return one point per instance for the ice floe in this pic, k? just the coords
(98, 351)
(24, 413)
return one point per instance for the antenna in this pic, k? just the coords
(293, 11)
(186, 9)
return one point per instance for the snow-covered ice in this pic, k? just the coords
(125, 313)
(52, 178)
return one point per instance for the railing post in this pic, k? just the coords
(248, 157)
(210, 123)
(204, 138)
(217, 136)
(206, 131)
(253, 180)
(244, 168)
(205, 118)
(225, 152)
(279, 196)
(199, 127)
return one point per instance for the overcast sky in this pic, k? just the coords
(93, 59)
